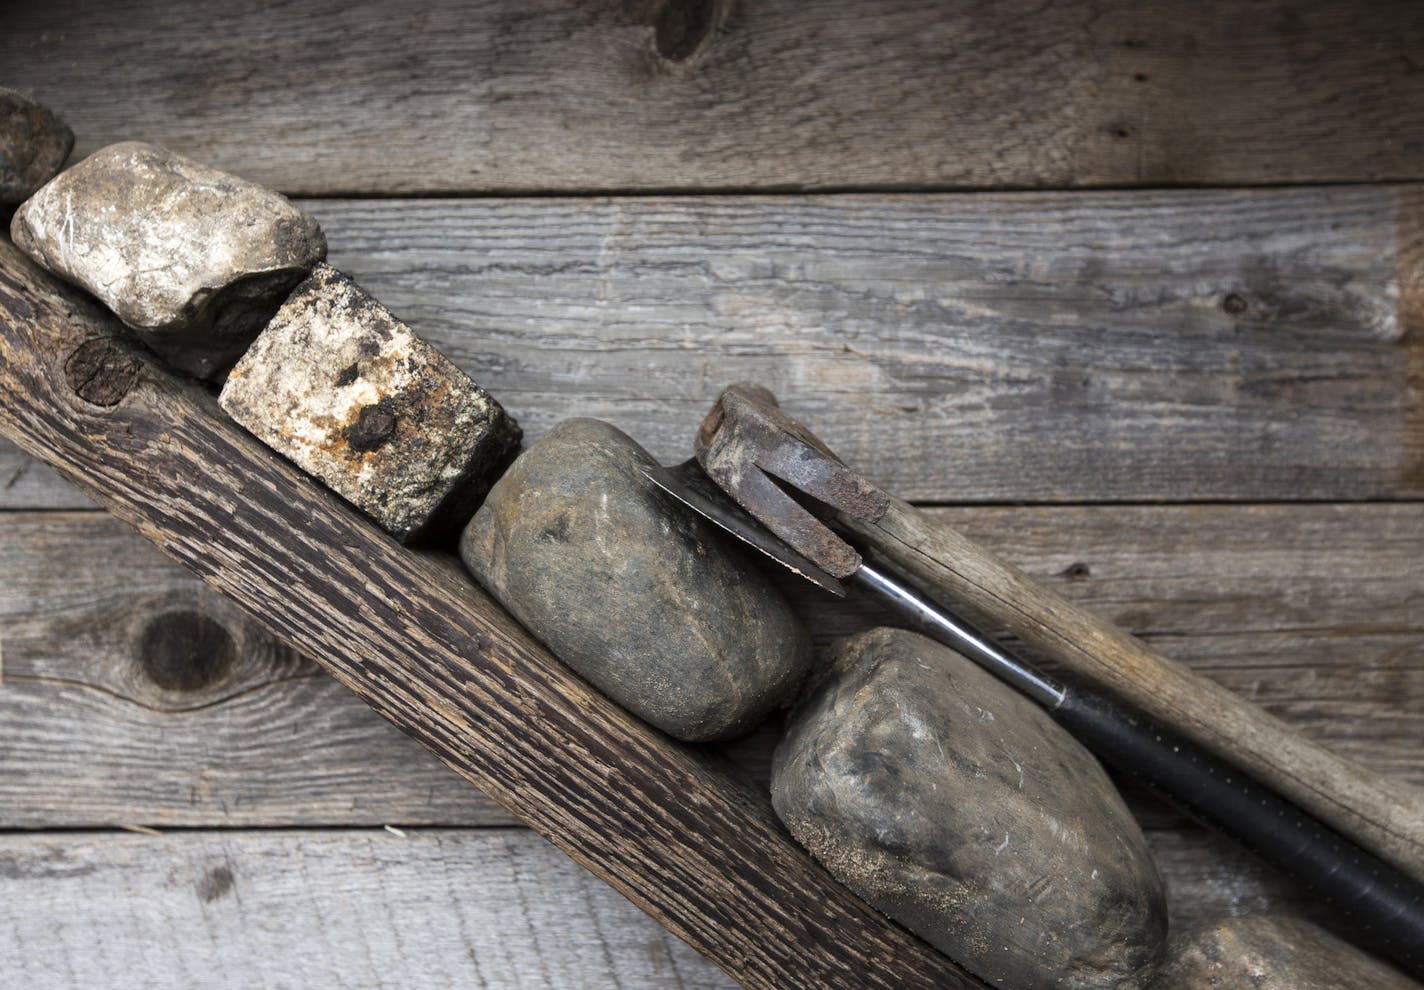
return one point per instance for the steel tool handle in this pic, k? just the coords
(1383, 906)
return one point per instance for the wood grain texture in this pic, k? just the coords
(672, 828)
(351, 908)
(1312, 611)
(371, 97)
(1034, 347)
(324, 909)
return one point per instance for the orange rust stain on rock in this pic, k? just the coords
(1410, 260)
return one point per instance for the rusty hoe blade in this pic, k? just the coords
(755, 452)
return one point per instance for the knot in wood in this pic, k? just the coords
(683, 27)
(101, 371)
(185, 650)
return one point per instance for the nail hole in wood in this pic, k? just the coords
(1077, 572)
(185, 650)
(1234, 304)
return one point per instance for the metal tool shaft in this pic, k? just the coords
(950, 631)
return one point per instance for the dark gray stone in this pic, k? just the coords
(193, 259)
(632, 590)
(962, 811)
(1272, 952)
(353, 397)
(33, 146)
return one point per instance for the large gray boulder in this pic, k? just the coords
(195, 260)
(33, 146)
(962, 811)
(630, 589)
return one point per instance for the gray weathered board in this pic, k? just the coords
(1315, 611)
(1222, 346)
(1229, 345)
(1059, 336)
(490, 909)
(374, 96)
(1311, 609)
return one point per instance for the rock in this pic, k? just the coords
(352, 396)
(1272, 952)
(962, 811)
(193, 259)
(633, 591)
(33, 146)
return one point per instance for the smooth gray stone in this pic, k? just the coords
(630, 589)
(1272, 952)
(193, 259)
(962, 811)
(352, 396)
(33, 146)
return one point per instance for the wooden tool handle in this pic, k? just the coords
(1385, 817)
(668, 826)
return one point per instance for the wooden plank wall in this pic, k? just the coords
(1197, 410)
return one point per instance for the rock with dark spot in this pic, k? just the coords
(192, 258)
(33, 146)
(961, 810)
(1272, 952)
(630, 589)
(352, 396)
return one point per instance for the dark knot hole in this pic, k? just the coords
(185, 650)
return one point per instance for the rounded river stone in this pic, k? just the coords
(961, 810)
(33, 146)
(631, 589)
(194, 259)
(1272, 952)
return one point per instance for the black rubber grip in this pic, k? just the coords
(1382, 907)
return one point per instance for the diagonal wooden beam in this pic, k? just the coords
(670, 827)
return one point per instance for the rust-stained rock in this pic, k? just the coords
(192, 258)
(33, 146)
(641, 597)
(352, 396)
(1272, 952)
(962, 811)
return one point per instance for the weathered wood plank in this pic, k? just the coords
(491, 908)
(1031, 347)
(676, 830)
(1314, 611)
(702, 94)
(241, 909)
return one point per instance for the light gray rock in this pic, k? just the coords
(1272, 952)
(962, 811)
(630, 589)
(33, 146)
(192, 258)
(352, 396)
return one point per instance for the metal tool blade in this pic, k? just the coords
(689, 484)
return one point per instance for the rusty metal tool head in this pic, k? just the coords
(760, 456)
